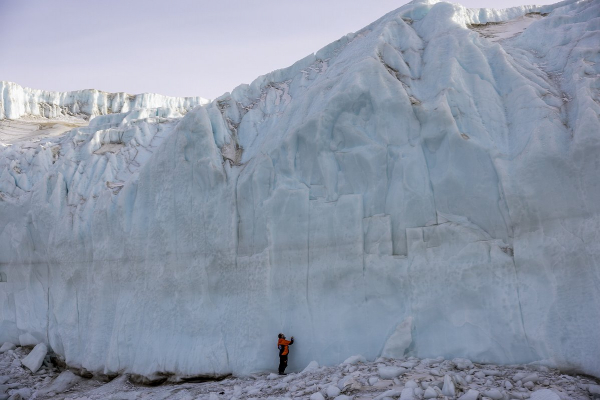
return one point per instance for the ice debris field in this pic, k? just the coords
(356, 378)
(425, 187)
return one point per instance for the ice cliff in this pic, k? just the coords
(17, 101)
(415, 187)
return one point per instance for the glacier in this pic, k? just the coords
(421, 186)
(18, 102)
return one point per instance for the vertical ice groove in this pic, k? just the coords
(520, 305)
(308, 302)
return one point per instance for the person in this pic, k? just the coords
(284, 350)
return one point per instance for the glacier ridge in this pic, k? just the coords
(17, 101)
(414, 174)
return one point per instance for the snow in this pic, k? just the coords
(496, 31)
(413, 171)
(36, 128)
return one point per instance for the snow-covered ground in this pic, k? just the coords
(414, 188)
(405, 379)
(36, 128)
(496, 31)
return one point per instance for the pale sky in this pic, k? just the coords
(175, 47)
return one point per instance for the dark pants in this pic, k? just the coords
(282, 363)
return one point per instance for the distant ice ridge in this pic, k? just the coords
(413, 187)
(125, 128)
(17, 101)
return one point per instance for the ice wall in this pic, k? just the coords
(17, 101)
(412, 171)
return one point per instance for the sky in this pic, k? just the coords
(176, 47)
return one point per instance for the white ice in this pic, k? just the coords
(412, 171)
(17, 101)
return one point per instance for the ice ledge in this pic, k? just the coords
(17, 101)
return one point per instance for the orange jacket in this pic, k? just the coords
(282, 345)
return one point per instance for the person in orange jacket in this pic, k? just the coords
(284, 350)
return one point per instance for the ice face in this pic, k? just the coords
(412, 171)
(17, 101)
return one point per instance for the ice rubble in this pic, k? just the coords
(414, 170)
(420, 379)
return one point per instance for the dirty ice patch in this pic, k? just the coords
(497, 31)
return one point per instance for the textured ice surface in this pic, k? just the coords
(497, 31)
(399, 342)
(36, 128)
(17, 101)
(34, 360)
(412, 170)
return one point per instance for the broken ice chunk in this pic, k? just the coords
(448, 389)
(470, 395)
(390, 372)
(544, 394)
(34, 360)
(7, 346)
